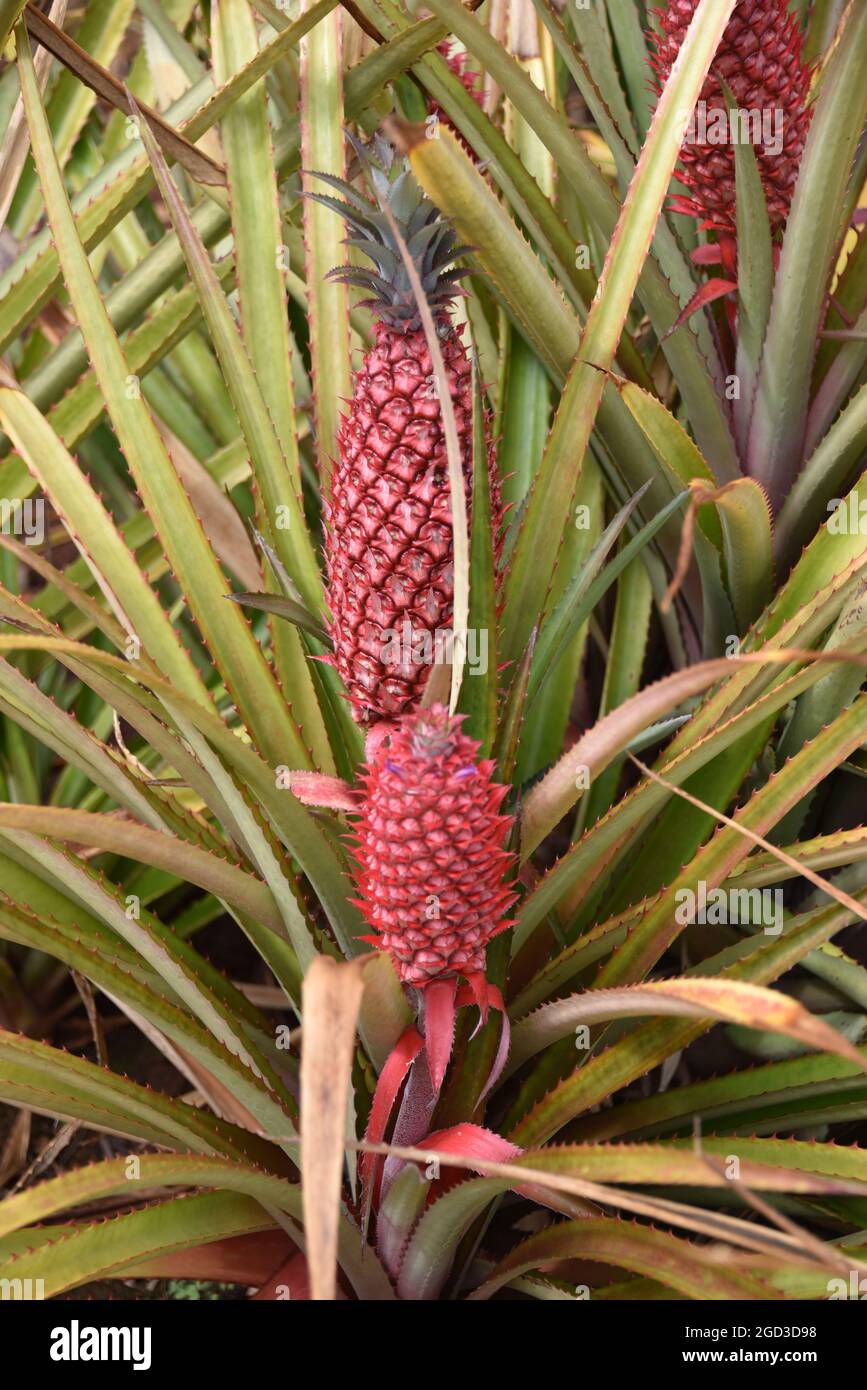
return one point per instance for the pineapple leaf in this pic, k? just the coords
(808, 256)
(322, 122)
(53, 1082)
(479, 690)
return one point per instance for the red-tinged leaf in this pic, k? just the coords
(487, 996)
(477, 991)
(318, 789)
(500, 1059)
(472, 1141)
(245, 1259)
(473, 1144)
(553, 796)
(694, 1271)
(709, 254)
(730, 1000)
(773, 1165)
(72, 1256)
(291, 1281)
(439, 1028)
(709, 292)
(391, 1078)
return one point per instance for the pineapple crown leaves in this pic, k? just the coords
(429, 239)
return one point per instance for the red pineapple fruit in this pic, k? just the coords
(760, 60)
(431, 856)
(389, 540)
(458, 66)
(431, 851)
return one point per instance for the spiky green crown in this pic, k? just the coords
(431, 242)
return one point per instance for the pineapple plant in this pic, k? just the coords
(320, 974)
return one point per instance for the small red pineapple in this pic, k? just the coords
(458, 66)
(761, 62)
(431, 857)
(431, 851)
(458, 61)
(389, 540)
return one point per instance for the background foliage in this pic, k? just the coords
(177, 931)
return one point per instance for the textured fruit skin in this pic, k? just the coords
(760, 58)
(431, 840)
(388, 544)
